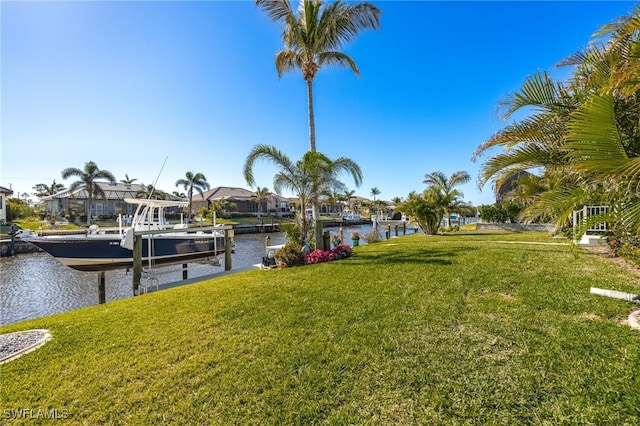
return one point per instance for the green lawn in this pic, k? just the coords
(465, 328)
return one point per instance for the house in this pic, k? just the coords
(75, 203)
(509, 185)
(4, 194)
(244, 201)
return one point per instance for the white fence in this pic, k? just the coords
(583, 214)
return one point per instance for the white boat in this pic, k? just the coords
(102, 250)
(395, 219)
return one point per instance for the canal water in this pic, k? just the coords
(36, 285)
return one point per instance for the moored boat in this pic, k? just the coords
(396, 219)
(102, 250)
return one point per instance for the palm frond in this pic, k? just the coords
(543, 128)
(338, 58)
(264, 152)
(275, 9)
(540, 92)
(593, 138)
(519, 159)
(288, 60)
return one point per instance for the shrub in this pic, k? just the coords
(372, 236)
(624, 244)
(319, 256)
(630, 253)
(18, 209)
(500, 212)
(292, 231)
(339, 252)
(290, 255)
(342, 250)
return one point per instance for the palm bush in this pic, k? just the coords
(290, 254)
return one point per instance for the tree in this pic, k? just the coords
(308, 178)
(451, 197)
(127, 180)
(261, 195)
(374, 191)
(313, 36)
(151, 193)
(89, 177)
(17, 208)
(193, 181)
(426, 209)
(582, 133)
(348, 196)
(44, 190)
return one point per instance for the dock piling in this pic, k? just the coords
(101, 287)
(137, 263)
(227, 249)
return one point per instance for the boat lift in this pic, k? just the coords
(137, 252)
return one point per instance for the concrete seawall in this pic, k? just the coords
(275, 227)
(19, 247)
(22, 247)
(539, 227)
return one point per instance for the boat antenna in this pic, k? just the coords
(153, 187)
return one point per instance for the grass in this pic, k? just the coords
(464, 328)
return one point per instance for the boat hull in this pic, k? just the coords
(104, 253)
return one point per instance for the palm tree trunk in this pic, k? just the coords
(312, 123)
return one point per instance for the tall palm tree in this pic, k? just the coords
(261, 195)
(88, 178)
(348, 196)
(44, 190)
(308, 178)
(314, 34)
(193, 181)
(374, 191)
(451, 197)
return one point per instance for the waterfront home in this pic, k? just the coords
(244, 201)
(4, 193)
(74, 203)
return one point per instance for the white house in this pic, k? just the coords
(4, 194)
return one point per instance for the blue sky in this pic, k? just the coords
(130, 84)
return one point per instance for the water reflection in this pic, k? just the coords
(37, 285)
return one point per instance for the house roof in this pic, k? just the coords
(230, 193)
(5, 190)
(509, 185)
(226, 193)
